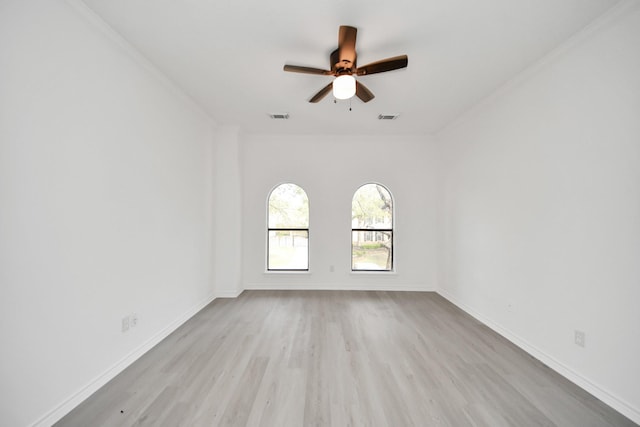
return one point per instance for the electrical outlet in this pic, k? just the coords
(331, 268)
(579, 338)
(125, 324)
(134, 320)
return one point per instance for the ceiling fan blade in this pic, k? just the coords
(347, 46)
(388, 64)
(323, 92)
(307, 70)
(363, 93)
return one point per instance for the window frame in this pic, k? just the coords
(391, 239)
(391, 230)
(269, 230)
(289, 229)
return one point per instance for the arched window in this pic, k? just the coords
(288, 229)
(372, 229)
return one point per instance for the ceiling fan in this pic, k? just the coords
(344, 68)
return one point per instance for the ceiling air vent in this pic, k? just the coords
(279, 116)
(388, 116)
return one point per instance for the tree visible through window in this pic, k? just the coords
(288, 229)
(372, 229)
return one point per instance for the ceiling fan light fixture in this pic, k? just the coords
(344, 87)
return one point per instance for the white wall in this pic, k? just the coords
(330, 169)
(228, 213)
(541, 210)
(105, 207)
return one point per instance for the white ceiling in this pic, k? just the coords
(228, 54)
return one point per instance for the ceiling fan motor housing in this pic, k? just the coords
(341, 66)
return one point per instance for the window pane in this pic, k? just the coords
(371, 250)
(372, 207)
(288, 250)
(288, 207)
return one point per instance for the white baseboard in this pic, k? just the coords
(78, 397)
(337, 287)
(229, 293)
(607, 397)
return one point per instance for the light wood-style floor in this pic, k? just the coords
(338, 358)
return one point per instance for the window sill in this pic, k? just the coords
(270, 272)
(375, 272)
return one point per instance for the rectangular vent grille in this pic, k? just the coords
(388, 116)
(279, 116)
